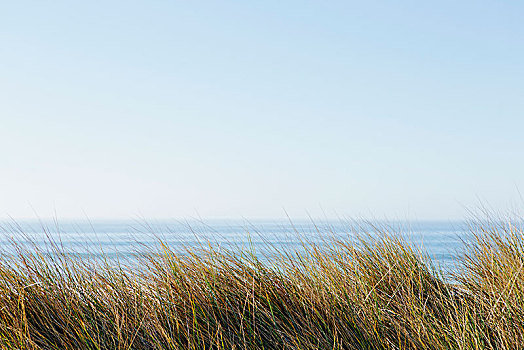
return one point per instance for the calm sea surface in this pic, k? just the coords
(443, 241)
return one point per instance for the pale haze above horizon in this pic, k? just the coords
(260, 109)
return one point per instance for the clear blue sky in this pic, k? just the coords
(403, 109)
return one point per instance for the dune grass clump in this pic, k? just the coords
(376, 293)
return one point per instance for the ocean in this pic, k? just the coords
(443, 241)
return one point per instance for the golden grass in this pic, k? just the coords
(378, 294)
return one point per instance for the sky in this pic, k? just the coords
(260, 109)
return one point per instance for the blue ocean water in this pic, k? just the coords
(443, 241)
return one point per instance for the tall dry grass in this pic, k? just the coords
(379, 293)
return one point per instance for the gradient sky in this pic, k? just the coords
(402, 109)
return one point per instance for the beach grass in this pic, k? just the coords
(378, 292)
